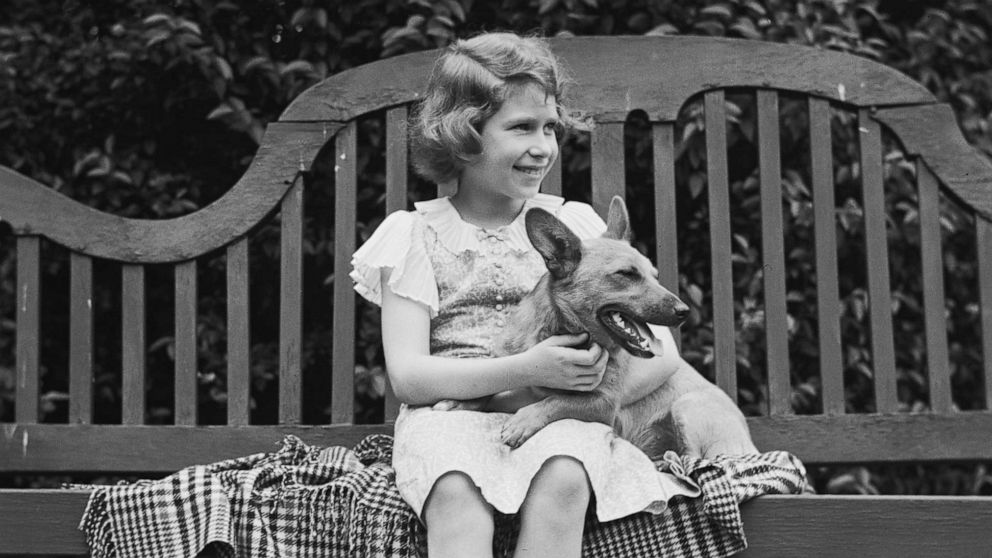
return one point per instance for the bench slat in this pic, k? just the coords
(80, 338)
(238, 334)
(877, 256)
(666, 210)
(346, 186)
(606, 151)
(773, 255)
(775, 525)
(396, 200)
(147, 449)
(827, 526)
(816, 439)
(931, 257)
(718, 191)
(28, 327)
(185, 331)
(983, 233)
(825, 240)
(291, 306)
(133, 344)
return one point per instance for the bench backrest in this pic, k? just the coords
(659, 80)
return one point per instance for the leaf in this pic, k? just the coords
(546, 6)
(190, 26)
(697, 181)
(746, 29)
(756, 7)
(712, 28)
(157, 37)
(297, 66)
(663, 29)
(220, 112)
(156, 19)
(717, 10)
(224, 68)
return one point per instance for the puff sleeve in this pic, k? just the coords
(582, 219)
(395, 245)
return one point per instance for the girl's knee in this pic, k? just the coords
(454, 494)
(564, 481)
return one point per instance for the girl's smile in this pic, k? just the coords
(519, 145)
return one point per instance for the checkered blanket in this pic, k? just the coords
(304, 501)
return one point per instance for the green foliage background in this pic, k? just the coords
(153, 109)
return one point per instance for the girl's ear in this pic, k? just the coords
(617, 221)
(559, 246)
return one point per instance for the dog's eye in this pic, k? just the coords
(629, 273)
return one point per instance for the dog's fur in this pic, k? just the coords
(587, 285)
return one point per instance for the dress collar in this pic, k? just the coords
(457, 235)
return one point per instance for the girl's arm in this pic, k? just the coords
(418, 378)
(648, 374)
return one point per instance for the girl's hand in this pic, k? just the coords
(557, 363)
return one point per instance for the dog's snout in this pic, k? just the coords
(681, 311)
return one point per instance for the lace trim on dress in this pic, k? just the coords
(392, 246)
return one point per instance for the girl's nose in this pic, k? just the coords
(542, 147)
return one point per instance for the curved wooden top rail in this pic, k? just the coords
(609, 88)
(931, 132)
(32, 208)
(612, 77)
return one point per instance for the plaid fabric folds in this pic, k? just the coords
(307, 501)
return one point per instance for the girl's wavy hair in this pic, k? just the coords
(469, 83)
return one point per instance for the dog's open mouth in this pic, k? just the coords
(630, 333)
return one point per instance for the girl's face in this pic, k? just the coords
(519, 144)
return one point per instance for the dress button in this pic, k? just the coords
(499, 323)
(499, 298)
(499, 306)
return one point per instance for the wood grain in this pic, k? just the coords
(28, 342)
(133, 344)
(784, 526)
(934, 309)
(883, 359)
(32, 208)
(665, 72)
(80, 338)
(185, 370)
(773, 256)
(666, 211)
(291, 306)
(343, 324)
(932, 132)
(983, 233)
(718, 192)
(828, 302)
(238, 334)
(608, 175)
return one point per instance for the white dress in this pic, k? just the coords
(469, 278)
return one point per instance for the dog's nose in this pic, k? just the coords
(681, 311)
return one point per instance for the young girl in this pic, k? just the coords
(446, 276)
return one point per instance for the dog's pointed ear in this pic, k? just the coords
(617, 221)
(559, 246)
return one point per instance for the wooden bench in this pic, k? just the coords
(659, 76)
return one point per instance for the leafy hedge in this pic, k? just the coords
(154, 109)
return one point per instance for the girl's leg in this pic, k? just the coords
(554, 512)
(459, 521)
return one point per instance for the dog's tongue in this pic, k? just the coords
(655, 344)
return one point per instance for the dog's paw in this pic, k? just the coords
(521, 426)
(447, 405)
(456, 405)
